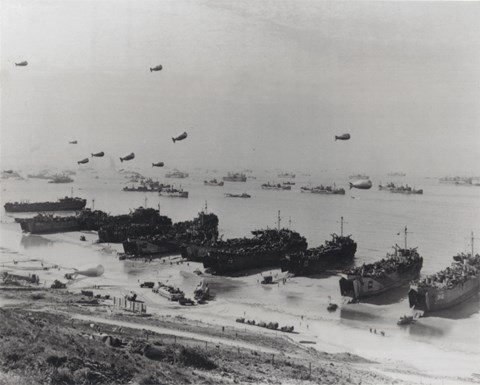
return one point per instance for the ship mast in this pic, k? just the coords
(146, 200)
(341, 226)
(278, 221)
(472, 243)
(158, 208)
(406, 232)
(93, 204)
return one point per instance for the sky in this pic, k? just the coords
(256, 84)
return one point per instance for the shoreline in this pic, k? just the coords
(66, 317)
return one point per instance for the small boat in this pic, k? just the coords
(406, 320)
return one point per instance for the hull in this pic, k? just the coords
(139, 247)
(318, 262)
(231, 263)
(194, 252)
(50, 227)
(62, 205)
(431, 299)
(358, 286)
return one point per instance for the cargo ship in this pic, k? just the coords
(173, 193)
(278, 186)
(63, 204)
(60, 179)
(358, 176)
(265, 249)
(327, 190)
(448, 287)
(406, 190)
(176, 174)
(286, 175)
(394, 271)
(340, 250)
(235, 177)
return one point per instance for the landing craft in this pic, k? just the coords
(73, 142)
(98, 154)
(180, 137)
(159, 164)
(8, 171)
(342, 137)
(157, 68)
(22, 64)
(361, 184)
(128, 157)
(83, 161)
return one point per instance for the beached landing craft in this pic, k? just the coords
(83, 161)
(158, 164)
(73, 142)
(182, 136)
(449, 287)
(22, 64)
(98, 154)
(334, 253)
(128, 157)
(63, 204)
(342, 137)
(375, 278)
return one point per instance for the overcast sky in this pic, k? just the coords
(256, 84)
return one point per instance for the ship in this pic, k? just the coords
(288, 183)
(243, 195)
(48, 224)
(286, 175)
(278, 186)
(458, 180)
(359, 176)
(448, 287)
(393, 271)
(388, 187)
(147, 185)
(60, 179)
(63, 204)
(397, 174)
(406, 190)
(265, 249)
(183, 236)
(176, 174)
(235, 177)
(327, 190)
(141, 222)
(213, 182)
(41, 175)
(340, 250)
(173, 193)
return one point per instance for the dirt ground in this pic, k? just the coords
(56, 337)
